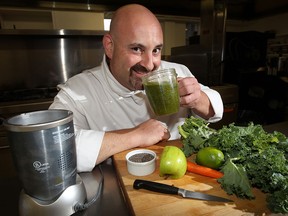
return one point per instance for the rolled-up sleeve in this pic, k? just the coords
(87, 149)
(216, 102)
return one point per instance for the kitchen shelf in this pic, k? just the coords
(49, 19)
(58, 32)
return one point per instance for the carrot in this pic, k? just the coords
(205, 171)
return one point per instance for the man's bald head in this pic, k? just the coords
(131, 16)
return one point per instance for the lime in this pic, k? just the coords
(210, 157)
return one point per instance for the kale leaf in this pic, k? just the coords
(235, 180)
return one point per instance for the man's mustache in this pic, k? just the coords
(140, 68)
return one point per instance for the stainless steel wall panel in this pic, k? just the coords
(42, 61)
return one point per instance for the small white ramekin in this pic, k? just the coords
(141, 168)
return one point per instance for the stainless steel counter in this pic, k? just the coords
(111, 201)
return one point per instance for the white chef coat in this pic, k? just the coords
(100, 103)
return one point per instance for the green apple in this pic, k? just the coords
(173, 162)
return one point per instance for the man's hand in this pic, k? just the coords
(189, 92)
(193, 97)
(146, 134)
(150, 132)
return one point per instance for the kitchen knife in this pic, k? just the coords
(163, 188)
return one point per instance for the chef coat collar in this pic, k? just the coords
(116, 87)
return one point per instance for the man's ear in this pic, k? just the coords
(108, 45)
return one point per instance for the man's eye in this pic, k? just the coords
(137, 49)
(157, 51)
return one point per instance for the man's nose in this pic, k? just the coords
(148, 61)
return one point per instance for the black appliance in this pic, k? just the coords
(245, 52)
(262, 97)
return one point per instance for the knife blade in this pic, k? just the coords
(168, 189)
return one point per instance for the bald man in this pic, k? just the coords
(111, 112)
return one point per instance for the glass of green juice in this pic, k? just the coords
(161, 88)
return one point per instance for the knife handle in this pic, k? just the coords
(155, 186)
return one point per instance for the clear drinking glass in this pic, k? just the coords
(161, 88)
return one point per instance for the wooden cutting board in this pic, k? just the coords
(144, 202)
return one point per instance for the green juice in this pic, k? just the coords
(164, 97)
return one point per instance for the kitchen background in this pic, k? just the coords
(238, 47)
